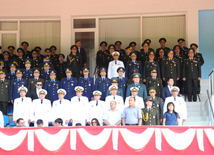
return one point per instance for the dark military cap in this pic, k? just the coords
(151, 52)
(128, 47)
(191, 50)
(193, 45)
(11, 48)
(136, 75)
(118, 43)
(121, 69)
(176, 46)
(20, 50)
(18, 71)
(27, 61)
(111, 46)
(85, 69)
(161, 50)
(53, 47)
(145, 44)
(24, 43)
(3, 71)
(46, 57)
(68, 70)
(149, 98)
(34, 51)
(154, 71)
(103, 43)
(13, 65)
(46, 63)
(102, 69)
(61, 55)
(114, 80)
(52, 72)
(133, 53)
(180, 40)
(132, 43)
(38, 48)
(152, 89)
(162, 40)
(36, 70)
(48, 50)
(170, 51)
(73, 47)
(15, 62)
(148, 41)
(6, 52)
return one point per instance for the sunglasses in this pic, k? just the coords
(39, 84)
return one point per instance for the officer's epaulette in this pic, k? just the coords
(147, 62)
(186, 59)
(148, 78)
(198, 53)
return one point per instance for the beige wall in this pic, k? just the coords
(66, 9)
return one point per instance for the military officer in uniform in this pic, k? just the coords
(154, 81)
(115, 81)
(133, 64)
(149, 42)
(157, 102)
(74, 61)
(121, 51)
(20, 58)
(133, 45)
(102, 83)
(32, 82)
(192, 74)
(11, 75)
(7, 61)
(162, 42)
(196, 54)
(54, 56)
(11, 50)
(15, 84)
(40, 56)
(170, 68)
(46, 58)
(142, 88)
(130, 81)
(101, 58)
(150, 114)
(52, 86)
(27, 53)
(5, 92)
(87, 83)
(184, 50)
(22, 106)
(111, 49)
(1, 64)
(144, 53)
(60, 67)
(35, 61)
(150, 65)
(27, 72)
(45, 73)
(126, 56)
(122, 81)
(68, 84)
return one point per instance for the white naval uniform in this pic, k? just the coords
(180, 106)
(139, 102)
(21, 109)
(79, 110)
(41, 111)
(61, 110)
(1, 120)
(96, 111)
(112, 68)
(118, 99)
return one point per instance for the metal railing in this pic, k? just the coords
(210, 94)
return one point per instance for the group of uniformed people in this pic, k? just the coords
(131, 72)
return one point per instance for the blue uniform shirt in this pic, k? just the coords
(15, 84)
(11, 76)
(27, 74)
(45, 75)
(102, 85)
(171, 118)
(51, 87)
(88, 85)
(123, 85)
(69, 84)
(132, 115)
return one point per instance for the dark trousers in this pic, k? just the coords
(3, 107)
(192, 85)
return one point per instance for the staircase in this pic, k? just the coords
(197, 112)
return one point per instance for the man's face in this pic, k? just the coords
(120, 73)
(111, 50)
(40, 125)
(6, 56)
(103, 47)
(79, 93)
(19, 75)
(68, 74)
(152, 94)
(163, 44)
(24, 46)
(39, 85)
(61, 96)
(154, 75)
(145, 48)
(170, 82)
(42, 96)
(191, 54)
(174, 93)
(134, 93)
(118, 46)
(151, 56)
(136, 79)
(112, 105)
(78, 44)
(133, 47)
(181, 44)
(34, 55)
(103, 73)
(133, 58)
(177, 51)
(74, 51)
(12, 69)
(46, 68)
(131, 101)
(58, 124)
(128, 51)
(20, 54)
(1, 65)
(161, 54)
(21, 123)
(85, 73)
(52, 76)
(53, 51)
(149, 103)
(61, 58)
(11, 51)
(170, 55)
(27, 65)
(22, 93)
(115, 57)
(97, 97)
(113, 92)
(2, 76)
(36, 74)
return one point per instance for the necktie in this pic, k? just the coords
(114, 97)
(79, 99)
(41, 101)
(96, 103)
(149, 110)
(115, 62)
(174, 99)
(60, 102)
(22, 99)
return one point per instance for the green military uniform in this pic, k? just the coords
(158, 104)
(150, 117)
(60, 68)
(5, 93)
(74, 62)
(101, 58)
(148, 67)
(170, 68)
(156, 83)
(191, 71)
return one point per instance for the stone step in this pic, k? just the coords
(197, 113)
(198, 108)
(198, 123)
(197, 118)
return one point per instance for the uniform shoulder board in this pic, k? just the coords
(186, 59)
(148, 78)
(147, 62)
